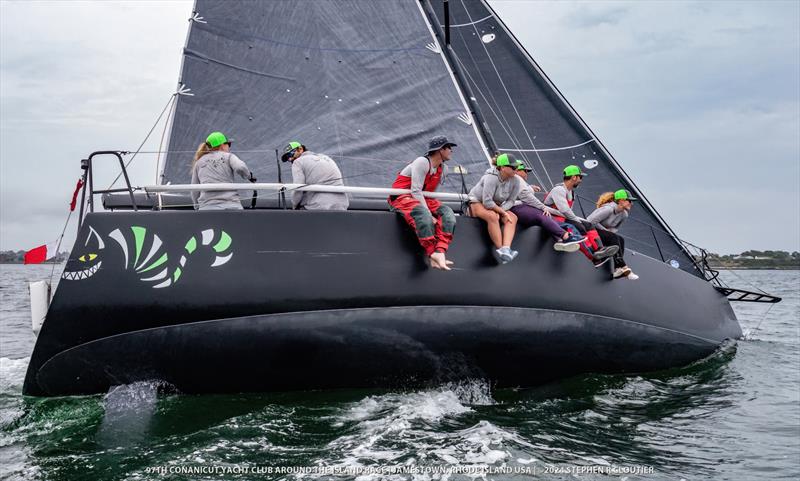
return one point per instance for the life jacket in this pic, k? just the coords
(430, 183)
(569, 202)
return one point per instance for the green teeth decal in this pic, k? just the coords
(224, 242)
(170, 272)
(138, 234)
(191, 245)
(155, 264)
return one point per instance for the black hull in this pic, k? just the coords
(336, 300)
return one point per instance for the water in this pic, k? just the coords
(734, 415)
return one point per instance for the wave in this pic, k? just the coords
(12, 374)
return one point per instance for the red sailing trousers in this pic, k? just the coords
(434, 226)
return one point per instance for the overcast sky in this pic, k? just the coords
(699, 101)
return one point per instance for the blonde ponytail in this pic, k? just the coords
(202, 150)
(605, 198)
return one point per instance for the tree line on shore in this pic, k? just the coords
(753, 259)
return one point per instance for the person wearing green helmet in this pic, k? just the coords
(530, 211)
(215, 164)
(491, 200)
(612, 210)
(561, 197)
(310, 168)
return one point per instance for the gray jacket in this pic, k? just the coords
(311, 168)
(528, 196)
(559, 198)
(607, 217)
(218, 168)
(492, 191)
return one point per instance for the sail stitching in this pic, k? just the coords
(224, 33)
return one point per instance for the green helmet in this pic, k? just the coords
(623, 194)
(506, 159)
(215, 139)
(290, 148)
(572, 170)
(521, 166)
(292, 145)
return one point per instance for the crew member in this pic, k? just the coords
(492, 199)
(215, 164)
(612, 210)
(531, 211)
(314, 169)
(432, 221)
(561, 198)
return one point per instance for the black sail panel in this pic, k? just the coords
(524, 113)
(363, 82)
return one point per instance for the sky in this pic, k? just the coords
(698, 101)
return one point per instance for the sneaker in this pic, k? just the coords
(503, 255)
(497, 253)
(632, 276)
(566, 246)
(575, 241)
(605, 252)
(621, 272)
(506, 254)
(600, 262)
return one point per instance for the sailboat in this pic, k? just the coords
(274, 299)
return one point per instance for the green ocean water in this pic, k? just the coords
(734, 415)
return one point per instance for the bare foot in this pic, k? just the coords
(438, 261)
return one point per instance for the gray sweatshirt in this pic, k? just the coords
(492, 191)
(607, 217)
(559, 198)
(528, 196)
(417, 170)
(218, 168)
(311, 168)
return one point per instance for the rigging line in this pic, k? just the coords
(155, 124)
(758, 327)
(513, 104)
(501, 118)
(656, 228)
(470, 23)
(60, 238)
(732, 271)
(161, 142)
(502, 121)
(554, 149)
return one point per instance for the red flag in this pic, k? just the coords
(75, 195)
(37, 255)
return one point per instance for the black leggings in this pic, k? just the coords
(611, 239)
